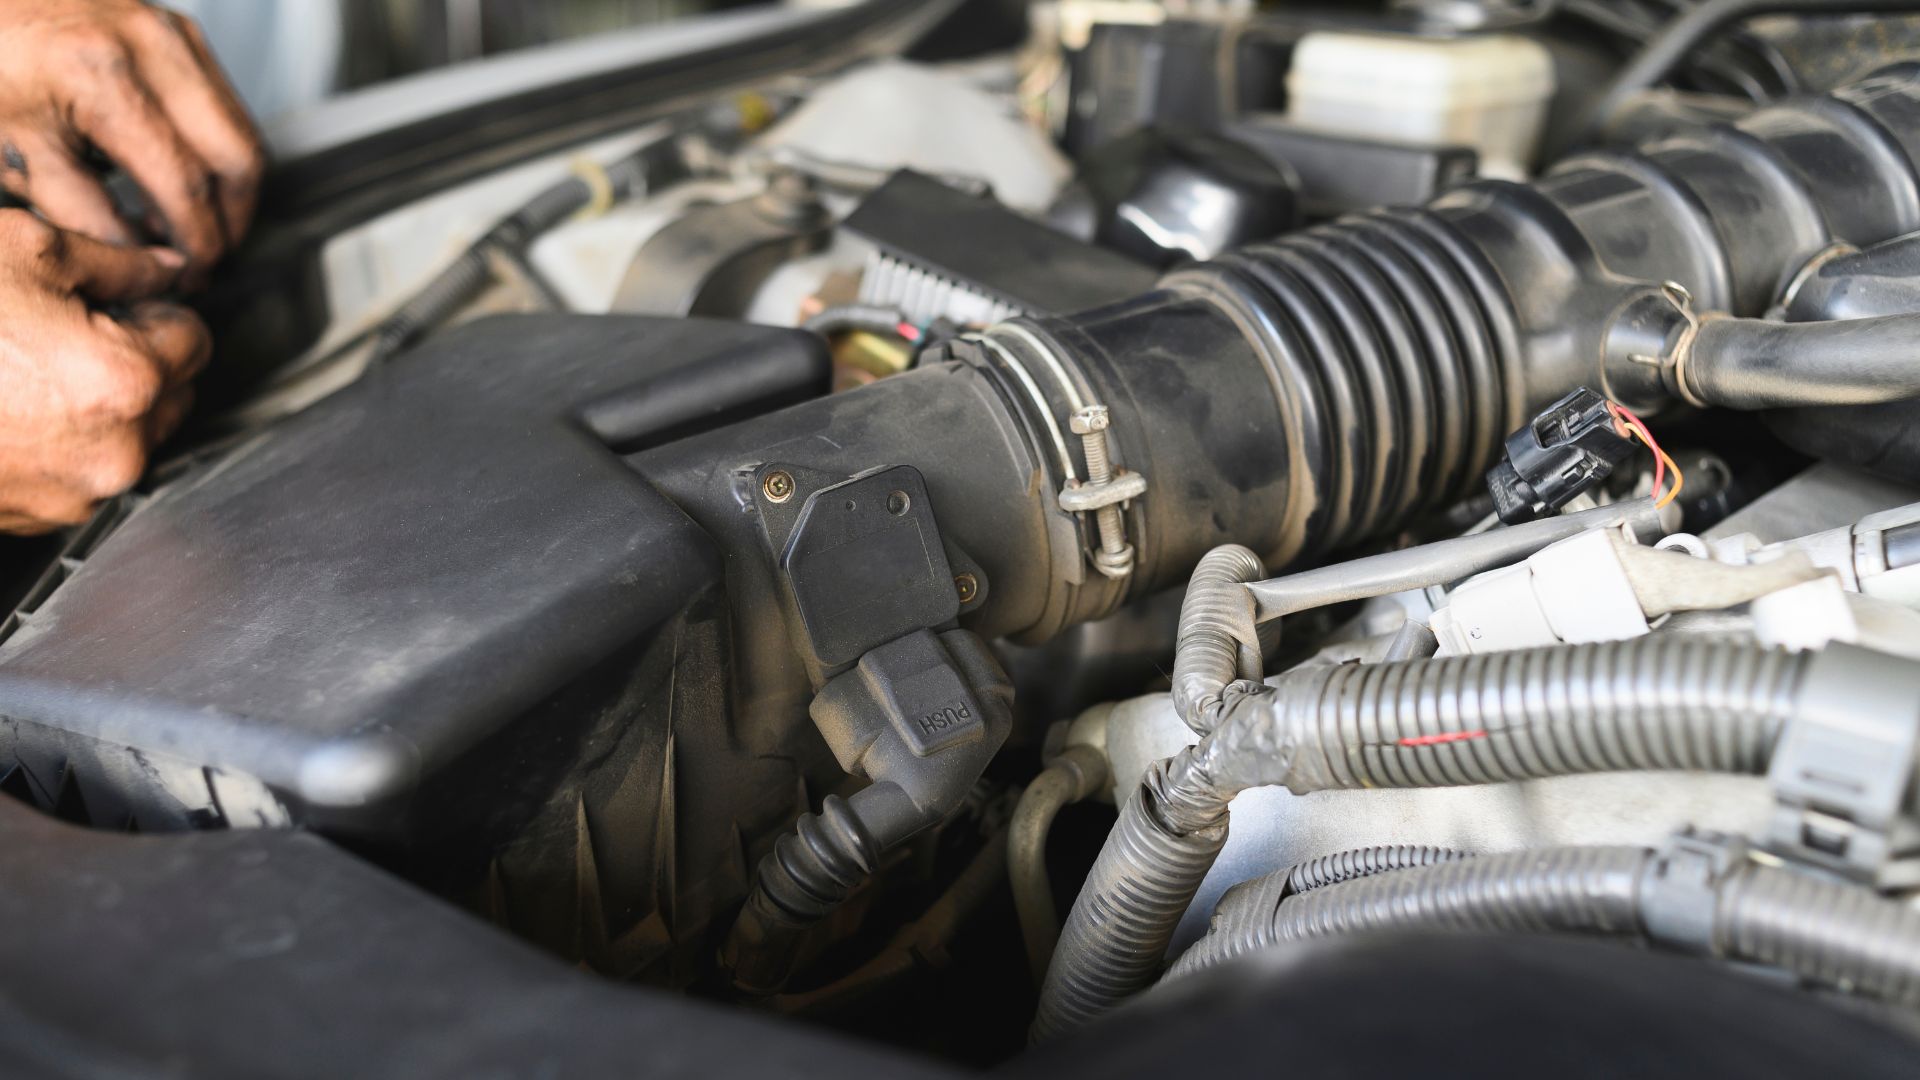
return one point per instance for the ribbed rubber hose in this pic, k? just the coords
(1387, 322)
(1584, 889)
(1216, 642)
(1588, 889)
(809, 873)
(1834, 934)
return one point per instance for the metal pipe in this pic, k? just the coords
(1078, 772)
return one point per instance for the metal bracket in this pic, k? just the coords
(1104, 493)
(1124, 487)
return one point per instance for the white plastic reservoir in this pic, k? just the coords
(1488, 92)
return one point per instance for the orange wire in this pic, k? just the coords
(1662, 461)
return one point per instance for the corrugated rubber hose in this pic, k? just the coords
(1124, 918)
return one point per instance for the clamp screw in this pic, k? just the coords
(1115, 558)
(966, 586)
(1086, 421)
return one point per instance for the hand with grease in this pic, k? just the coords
(93, 370)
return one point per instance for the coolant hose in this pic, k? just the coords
(1757, 364)
(1835, 934)
(1078, 772)
(472, 271)
(1657, 702)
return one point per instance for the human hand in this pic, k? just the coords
(84, 395)
(138, 84)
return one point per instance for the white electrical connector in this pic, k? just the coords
(1574, 591)
(1857, 584)
(1886, 555)
(1805, 616)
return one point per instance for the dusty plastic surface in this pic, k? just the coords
(371, 596)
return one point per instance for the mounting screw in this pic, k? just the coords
(967, 586)
(778, 486)
(1115, 557)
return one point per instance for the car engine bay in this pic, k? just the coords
(1320, 533)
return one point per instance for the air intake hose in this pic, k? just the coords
(1301, 395)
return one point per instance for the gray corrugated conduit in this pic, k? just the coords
(1827, 932)
(1660, 702)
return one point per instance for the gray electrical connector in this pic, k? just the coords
(1843, 769)
(919, 717)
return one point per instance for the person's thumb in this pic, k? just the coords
(106, 274)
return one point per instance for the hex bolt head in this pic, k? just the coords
(1088, 420)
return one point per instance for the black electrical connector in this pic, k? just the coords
(1567, 449)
